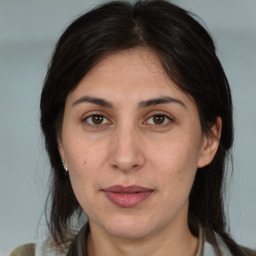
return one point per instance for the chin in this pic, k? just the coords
(130, 228)
(129, 233)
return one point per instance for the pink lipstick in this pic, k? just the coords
(127, 196)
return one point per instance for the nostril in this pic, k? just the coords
(125, 156)
(125, 167)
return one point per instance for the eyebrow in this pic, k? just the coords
(93, 100)
(143, 104)
(161, 100)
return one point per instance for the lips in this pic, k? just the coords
(127, 197)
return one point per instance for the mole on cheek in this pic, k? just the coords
(85, 162)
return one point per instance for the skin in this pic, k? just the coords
(127, 148)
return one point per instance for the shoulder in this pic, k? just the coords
(247, 251)
(210, 249)
(42, 248)
(24, 250)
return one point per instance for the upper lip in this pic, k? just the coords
(129, 189)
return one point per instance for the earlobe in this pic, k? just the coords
(210, 144)
(62, 155)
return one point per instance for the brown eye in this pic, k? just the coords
(96, 120)
(159, 119)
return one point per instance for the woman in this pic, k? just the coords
(136, 112)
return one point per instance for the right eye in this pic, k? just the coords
(96, 120)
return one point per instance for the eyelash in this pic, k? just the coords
(167, 121)
(96, 126)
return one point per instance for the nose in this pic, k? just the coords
(126, 150)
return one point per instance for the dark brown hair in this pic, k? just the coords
(188, 56)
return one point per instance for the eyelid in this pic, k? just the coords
(91, 116)
(161, 113)
(95, 113)
(167, 115)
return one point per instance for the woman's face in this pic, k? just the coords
(132, 142)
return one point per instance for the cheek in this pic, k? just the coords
(177, 163)
(180, 155)
(85, 172)
(82, 155)
(85, 167)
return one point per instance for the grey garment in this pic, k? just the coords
(207, 249)
(204, 248)
(44, 248)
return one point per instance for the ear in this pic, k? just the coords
(210, 144)
(60, 148)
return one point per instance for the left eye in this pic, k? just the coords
(159, 119)
(96, 120)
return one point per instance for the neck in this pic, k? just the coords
(175, 241)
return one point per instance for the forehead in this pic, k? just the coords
(136, 57)
(128, 66)
(127, 75)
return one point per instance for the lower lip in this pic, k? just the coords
(127, 200)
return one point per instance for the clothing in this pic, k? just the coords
(43, 248)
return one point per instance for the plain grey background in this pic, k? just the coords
(28, 31)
